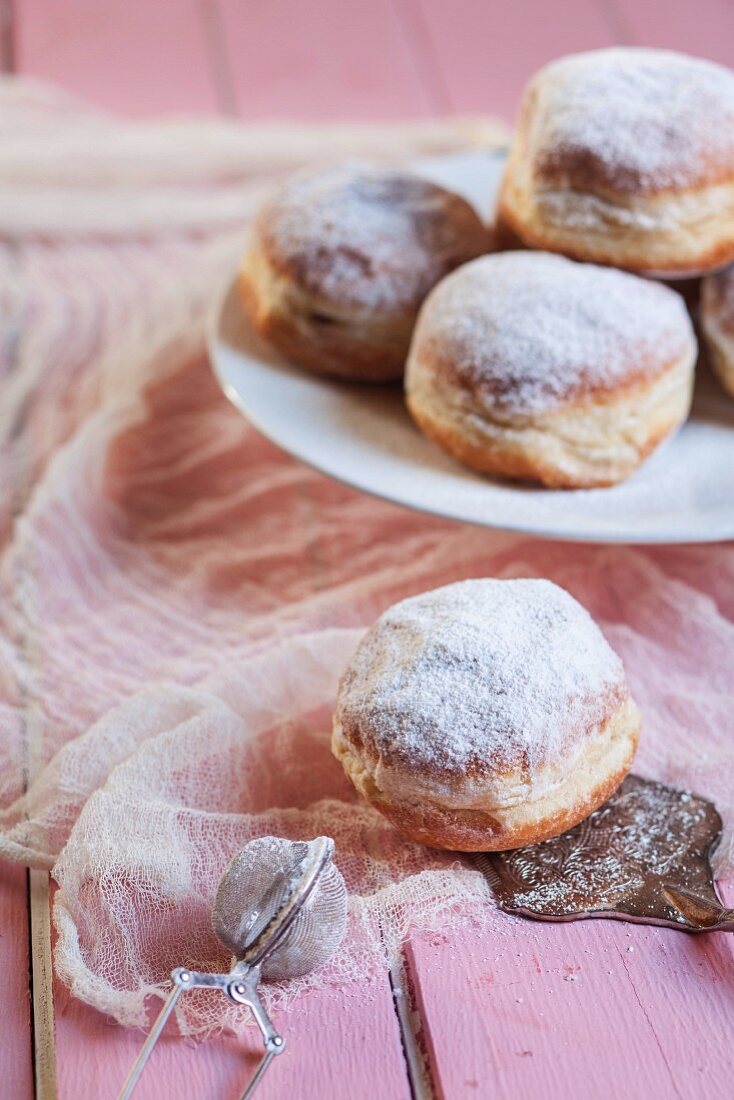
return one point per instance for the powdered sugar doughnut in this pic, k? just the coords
(717, 322)
(528, 365)
(626, 157)
(485, 715)
(340, 261)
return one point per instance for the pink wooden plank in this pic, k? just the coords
(344, 1044)
(487, 49)
(16, 1071)
(575, 1010)
(323, 60)
(138, 59)
(705, 28)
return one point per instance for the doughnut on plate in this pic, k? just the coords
(364, 437)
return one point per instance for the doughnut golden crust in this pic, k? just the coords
(485, 715)
(717, 323)
(625, 157)
(527, 365)
(340, 261)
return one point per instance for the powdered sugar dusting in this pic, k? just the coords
(637, 119)
(372, 238)
(480, 676)
(526, 331)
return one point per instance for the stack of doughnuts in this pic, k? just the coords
(545, 364)
(626, 157)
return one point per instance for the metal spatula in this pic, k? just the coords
(281, 910)
(644, 856)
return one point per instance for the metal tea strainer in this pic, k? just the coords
(281, 909)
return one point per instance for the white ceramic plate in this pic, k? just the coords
(363, 436)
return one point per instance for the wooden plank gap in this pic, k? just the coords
(617, 22)
(43, 1034)
(424, 54)
(409, 1021)
(410, 1024)
(40, 970)
(32, 1023)
(217, 55)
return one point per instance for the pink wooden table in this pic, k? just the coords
(577, 1011)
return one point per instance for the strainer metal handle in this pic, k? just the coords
(240, 985)
(243, 990)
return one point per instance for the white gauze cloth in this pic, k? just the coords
(179, 597)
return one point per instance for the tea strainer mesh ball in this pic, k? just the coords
(258, 889)
(281, 910)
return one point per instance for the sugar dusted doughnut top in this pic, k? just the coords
(526, 332)
(480, 677)
(367, 238)
(631, 121)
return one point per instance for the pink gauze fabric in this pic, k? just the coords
(179, 597)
